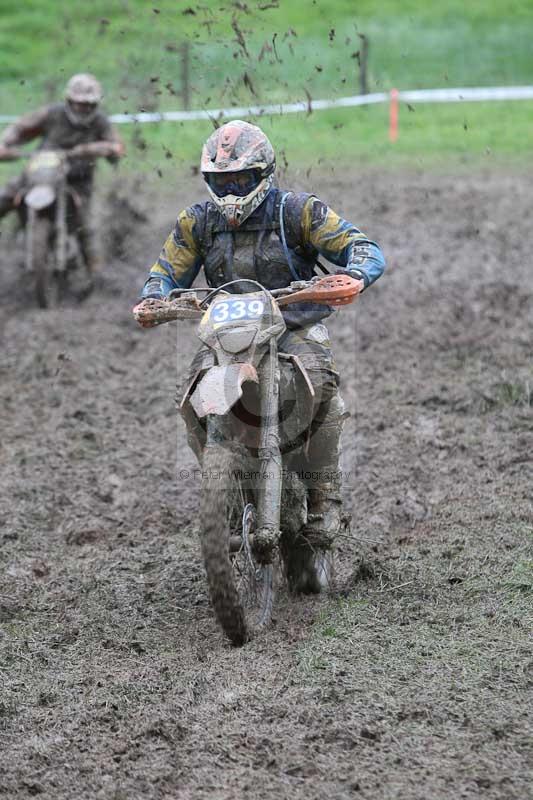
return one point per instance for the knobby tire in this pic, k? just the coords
(221, 511)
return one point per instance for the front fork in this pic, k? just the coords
(61, 229)
(270, 472)
(30, 235)
(271, 467)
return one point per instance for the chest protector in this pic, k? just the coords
(255, 250)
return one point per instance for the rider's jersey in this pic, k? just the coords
(59, 133)
(278, 243)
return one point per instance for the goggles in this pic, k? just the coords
(239, 184)
(82, 108)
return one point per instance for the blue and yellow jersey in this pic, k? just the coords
(319, 230)
(339, 241)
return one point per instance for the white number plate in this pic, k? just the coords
(234, 310)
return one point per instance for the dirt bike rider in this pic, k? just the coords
(251, 229)
(79, 127)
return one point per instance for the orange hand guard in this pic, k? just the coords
(332, 290)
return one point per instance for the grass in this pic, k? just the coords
(283, 50)
(472, 135)
(242, 53)
(476, 134)
(442, 623)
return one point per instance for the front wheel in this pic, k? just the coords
(240, 588)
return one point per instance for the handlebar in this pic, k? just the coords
(334, 290)
(89, 150)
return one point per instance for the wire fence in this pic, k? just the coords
(481, 94)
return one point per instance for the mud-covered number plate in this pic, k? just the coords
(232, 310)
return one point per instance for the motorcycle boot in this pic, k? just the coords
(92, 281)
(324, 512)
(89, 247)
(8, 194)
(309, 562)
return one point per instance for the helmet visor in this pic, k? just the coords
(235, 183)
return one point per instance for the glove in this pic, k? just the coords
(9, 153)
(355, 273)
(153, 288)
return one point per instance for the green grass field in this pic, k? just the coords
(431, 136)
(282, 51)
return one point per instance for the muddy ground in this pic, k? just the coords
(413, 678)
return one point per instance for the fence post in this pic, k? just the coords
(393, 115)
(363, 61)
(185, 75)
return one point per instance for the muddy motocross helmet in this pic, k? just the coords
(238, 164)
(83, 96)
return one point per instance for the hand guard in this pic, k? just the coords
(137, 313)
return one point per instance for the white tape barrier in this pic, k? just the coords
(251, 111)
(415, 96)
(458, 95)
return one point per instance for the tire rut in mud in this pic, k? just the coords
(116, 680)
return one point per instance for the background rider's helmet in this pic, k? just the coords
(238, 164)
(83, 96)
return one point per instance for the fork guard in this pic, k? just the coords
(220, 388)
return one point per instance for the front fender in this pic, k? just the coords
(220, 388)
